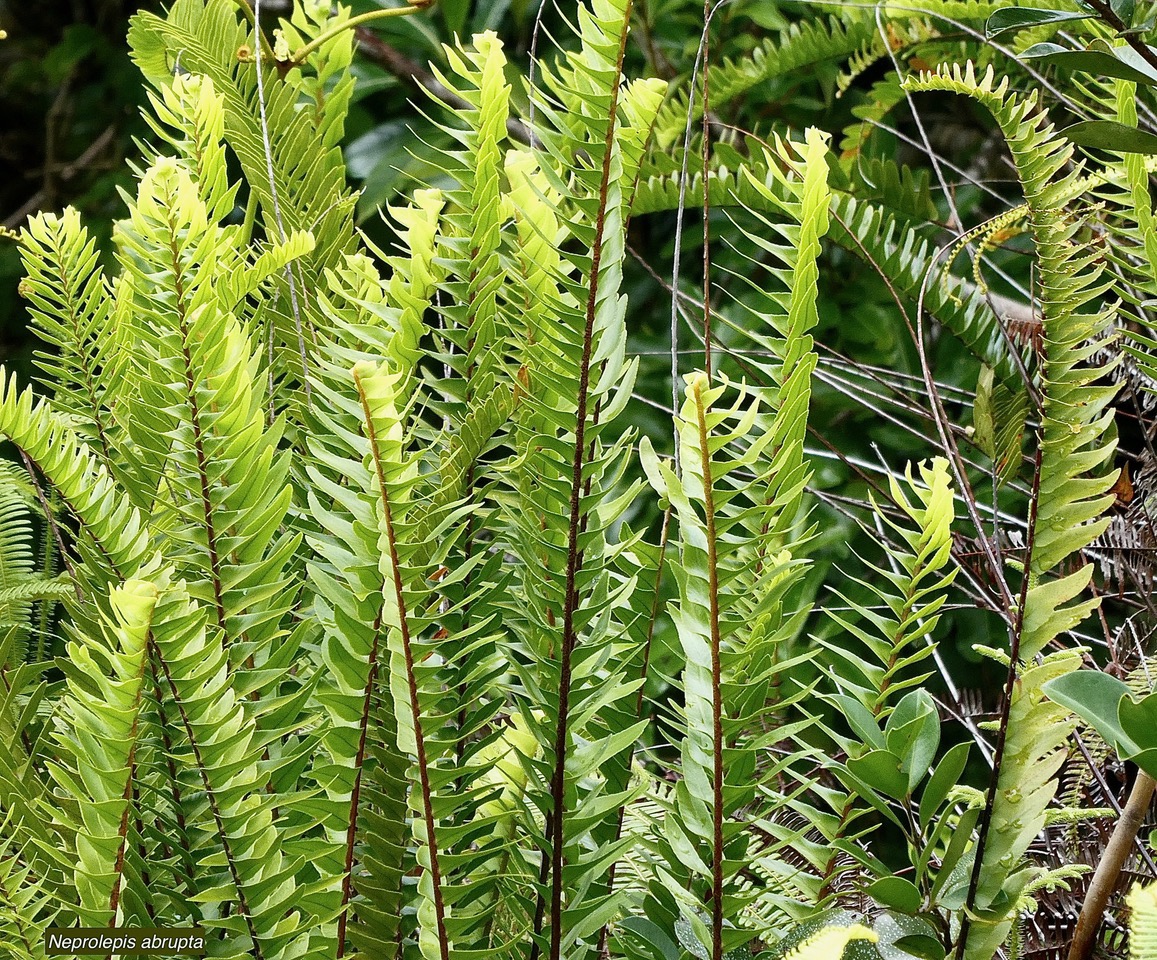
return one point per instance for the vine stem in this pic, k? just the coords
(353, 23)
(1108, 871)
(716, 683)
(1106, 13)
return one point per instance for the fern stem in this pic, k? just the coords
(706, 155)
(198, 433)
(1108, 871)
(355, 794)
(570, 607)
(267, 147)
(1005, 712)
(604, 950)
(50, 519)
(716, 683)
(167, 743)
(89, 377)
(214, 806)
(48, 568)
(129, 799)
(411, 679)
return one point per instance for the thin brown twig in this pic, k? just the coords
(1104, 881)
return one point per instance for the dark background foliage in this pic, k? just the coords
(70, 99)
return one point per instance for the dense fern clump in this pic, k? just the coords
(346, 611)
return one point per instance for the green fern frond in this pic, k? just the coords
(742, 480)
(1076, 418)
(114, 543)
(18, 583)
(101, 717)
(26, 907)
(1143, 925)
(409, 665)
(303, 114)
(70, 309)
(189, 116)
(229, 803)
(900, 640)
(569, 489)
(730, 616)
(473, 234)
(1076, 441)
(832, 942)
(197, 415)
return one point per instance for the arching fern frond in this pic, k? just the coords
(1076, 441)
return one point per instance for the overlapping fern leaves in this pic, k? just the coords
(357, 611)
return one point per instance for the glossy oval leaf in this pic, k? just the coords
(1110, 135)
(897, 893)
(943, 779)
(1018, 18)
(1120, 62)
(1095, 697)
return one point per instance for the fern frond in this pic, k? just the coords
(303, 114)
(114, 542)
(729, 618)
(250, 890)
(101, 717)
(410, 666)
(26, 906)
(1143, 926)
(569, 488)
(473, 234)
(1076, 441)
(901, 639)
(736, 500)
(70, 309)
(832, 942)
(197, 418)
(19, 586)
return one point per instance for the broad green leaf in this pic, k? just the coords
(943, 779)
(1095, 697)
(454, 13)
(1018, 18)
(652, 936)
(1125, 10)
(1110, 135)
(897, 893)
(880, 769)
(1121, 62)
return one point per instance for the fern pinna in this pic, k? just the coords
(368, 625)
